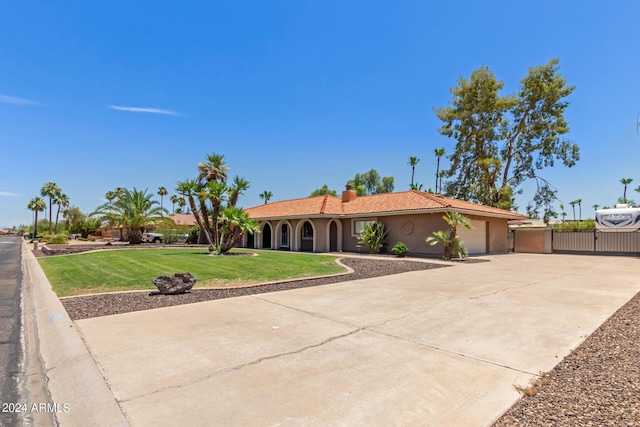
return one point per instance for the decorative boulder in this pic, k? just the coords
(178, 283)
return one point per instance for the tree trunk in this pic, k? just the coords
(135, 236)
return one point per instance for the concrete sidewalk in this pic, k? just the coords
(436, 347)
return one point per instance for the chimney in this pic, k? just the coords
(348, 194)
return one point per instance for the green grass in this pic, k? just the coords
(133, 269)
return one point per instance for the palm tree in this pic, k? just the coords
(573, 205)
(579, 202)
(162, 191)
(62, 200)
(214, 169)
(439, 153)
(564, 214)
(625, 182)
(235, 223)
(413, 161)
(36, 205)
(452, 243)
(595, 207)
(133, 210)
(174, 199)
(110, 196)
(237, 188)
(182, 203)
(266, 196)
(51, 190)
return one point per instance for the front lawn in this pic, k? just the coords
(133, 269)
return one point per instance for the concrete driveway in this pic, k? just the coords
(435, 347)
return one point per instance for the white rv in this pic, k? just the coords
(621, 218)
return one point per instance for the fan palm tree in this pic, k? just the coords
(573, 206)
(237, 188)
(62, 200)
(36, 205)
(182, 203)
(439, 152)
(413, 161)
(579, 202)
(266, 196)
(51, 190)
(452, 243)
(234, 224)
(595, 207)
(625, 182)
(133, 210)
(214, 169)
(174, 199)
(110, 195)
(162, 191)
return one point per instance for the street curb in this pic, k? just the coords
(79, 395)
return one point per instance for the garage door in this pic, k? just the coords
(475, 240)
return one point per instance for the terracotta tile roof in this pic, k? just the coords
(378, 203)
(183, 219)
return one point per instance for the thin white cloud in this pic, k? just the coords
(6, 99)
(9, 194)
(144, 110)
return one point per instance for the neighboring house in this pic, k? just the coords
(332, 224)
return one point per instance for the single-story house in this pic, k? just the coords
(332, 224)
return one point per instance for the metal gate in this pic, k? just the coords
(596, 242)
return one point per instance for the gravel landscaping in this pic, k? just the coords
(598, 384)
(83, 307)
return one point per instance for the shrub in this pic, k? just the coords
(193, 235)
(58, 239)
(568, 226)
(400, 249)
(374, 237)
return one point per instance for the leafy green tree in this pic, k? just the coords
(266, 196)
(453, 246)
(162, 191)
(133, 210)
(36, 205)
(439, 152)
(562, 212)
(213, 204)
(504, 140)
(322, 191)
(543, 200)
(371, 182)
(413, 161)
(51, 190)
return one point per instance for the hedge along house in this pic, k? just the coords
(332, 224)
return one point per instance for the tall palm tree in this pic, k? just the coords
(174, 199)
(133, 210)
(182, 203)
(62, 200)
(36, 205)
(162, 191)
(51, 190)
(214, 169)
(573, 205)
(266, 196)
(439, 152)
(110, 195)
(595, 207)
(625, 182)
(564, 214)
(579, 202)
(413, 161)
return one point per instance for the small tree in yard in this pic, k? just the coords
(453, 245)
(374, 237)
(213, 204)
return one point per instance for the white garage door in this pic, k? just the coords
(475, 240)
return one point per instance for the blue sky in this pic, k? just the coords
(295, 94)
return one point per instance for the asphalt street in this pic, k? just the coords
(10, 318)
